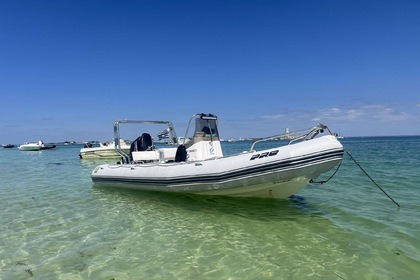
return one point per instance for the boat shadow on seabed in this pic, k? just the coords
(247, 207)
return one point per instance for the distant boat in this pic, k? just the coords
(31, 146)
(199, 166)
(48, 147)
(8, 146)
(35, 146)
(105, 150)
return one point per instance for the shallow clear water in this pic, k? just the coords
(55, 225)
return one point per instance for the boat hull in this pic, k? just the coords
(48, 147)
(29, 147)
(278, 172)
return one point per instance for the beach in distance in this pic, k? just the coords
(55, 225)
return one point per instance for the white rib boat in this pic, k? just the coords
(199, 166)
(104, 151)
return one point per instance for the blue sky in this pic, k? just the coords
(69, 69)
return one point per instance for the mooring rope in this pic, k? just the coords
(373, 181)
(325, 181)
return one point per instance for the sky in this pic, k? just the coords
(69, 68)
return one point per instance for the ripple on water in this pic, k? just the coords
(55, 225)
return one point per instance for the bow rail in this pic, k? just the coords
(299, 135)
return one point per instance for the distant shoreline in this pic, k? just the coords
(230, 140)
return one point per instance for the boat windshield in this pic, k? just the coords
(206, 127)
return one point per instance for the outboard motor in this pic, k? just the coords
(181, 154)
(142, 143)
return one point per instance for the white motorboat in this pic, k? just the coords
(199, 167)
(31, 146)
(35, 146)
(104, 151)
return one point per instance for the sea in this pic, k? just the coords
(54, 224)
